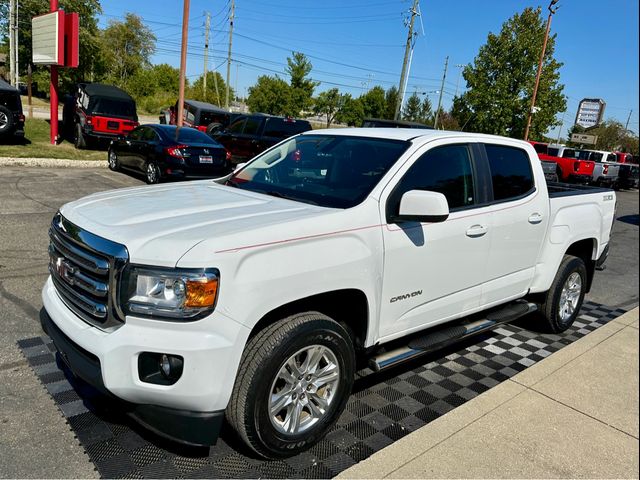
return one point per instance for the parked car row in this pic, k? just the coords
(592, 167)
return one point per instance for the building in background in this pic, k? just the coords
(590, 112)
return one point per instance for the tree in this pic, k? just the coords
(374, 102)
(128, 47)
(613, 136)
(329, 103)
(501, 80)
(446, 121)
(352, 111)
(412, 109)
(270, 95)
(196, 91)
(391, 99)
(426, 111)
(301, 96)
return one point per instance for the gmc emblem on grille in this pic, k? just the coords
(65, 270)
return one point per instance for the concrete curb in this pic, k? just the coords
(51, 162)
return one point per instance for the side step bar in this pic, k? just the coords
(443, 337)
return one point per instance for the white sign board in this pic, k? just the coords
(590, 112)
(582, 138)
(48, 39)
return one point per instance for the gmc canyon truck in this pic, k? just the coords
(254, 298)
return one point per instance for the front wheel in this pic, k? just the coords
(152, 173)
(564, 299)
(293, 382)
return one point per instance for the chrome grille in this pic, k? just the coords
(85, 270)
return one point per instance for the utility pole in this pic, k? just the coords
(444, 76)
(460, 66)
(206, 55)
(183, 61)
(535, 87)
(231, 17)
(626, 127)
(407, 51)
(15, 43)
(12, 45)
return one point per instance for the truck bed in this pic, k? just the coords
(557, 189)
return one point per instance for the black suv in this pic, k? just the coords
(249, 135)
(11, 116)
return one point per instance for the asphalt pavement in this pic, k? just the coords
(34, 439)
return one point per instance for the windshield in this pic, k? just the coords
(330, 171)
(112, 108)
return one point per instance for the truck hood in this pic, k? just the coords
(159, 224)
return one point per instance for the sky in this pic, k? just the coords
(356, 44)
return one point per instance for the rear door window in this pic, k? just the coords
(252, 126)
(237, 126)
(510, 172)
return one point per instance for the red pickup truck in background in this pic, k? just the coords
(569, 168)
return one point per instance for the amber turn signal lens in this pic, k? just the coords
(201, 293)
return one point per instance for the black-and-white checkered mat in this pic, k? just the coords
(384, 407)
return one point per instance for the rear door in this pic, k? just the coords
(519, 218)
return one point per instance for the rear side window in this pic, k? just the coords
(446, 170)
(251, 127)
(510, 171)
(237, 126)
(284, 128)
(552, 151)
(612, 158)
(540, 148)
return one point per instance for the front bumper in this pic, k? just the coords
(191, 410)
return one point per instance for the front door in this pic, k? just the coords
(435, 271)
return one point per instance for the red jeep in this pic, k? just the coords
(569, 168)
(98, 112)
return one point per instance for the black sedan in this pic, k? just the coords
(165, 152)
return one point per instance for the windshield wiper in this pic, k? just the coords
(287, 197)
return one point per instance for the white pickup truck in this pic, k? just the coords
(255, 298)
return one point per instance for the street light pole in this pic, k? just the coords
(552, 10)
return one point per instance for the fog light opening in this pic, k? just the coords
(160, 368)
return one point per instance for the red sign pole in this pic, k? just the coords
(53, 90)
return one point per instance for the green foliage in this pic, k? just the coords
(374, 102)
(270, 95)
(412, 109)
(127, 48)
(391, 99)
(299, 67)
(500, 81)
(329, 103)
(213, 95)
(352, 111)
(612, 136)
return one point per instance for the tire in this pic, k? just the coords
(151, 173)
(266, 361)
(112, 160)
(213, 128)
(7, 124)
(559, 311)
(78, 139)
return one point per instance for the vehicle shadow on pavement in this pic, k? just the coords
(630, 219)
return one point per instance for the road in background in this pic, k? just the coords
(29, 421)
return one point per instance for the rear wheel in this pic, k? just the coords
(6, 120)
(79, 139)
(152, 173)
(293, 382)
(114, 164)
(564, 299)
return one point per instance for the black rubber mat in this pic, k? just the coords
(384, 407)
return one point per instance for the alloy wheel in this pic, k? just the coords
(570, 296)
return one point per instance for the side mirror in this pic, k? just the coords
(423, 206)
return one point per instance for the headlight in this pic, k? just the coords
(173, 293)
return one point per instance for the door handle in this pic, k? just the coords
(476, 231)
(535, 218)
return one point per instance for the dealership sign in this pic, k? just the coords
(582, 138)
(55, 39)
(590, 112)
